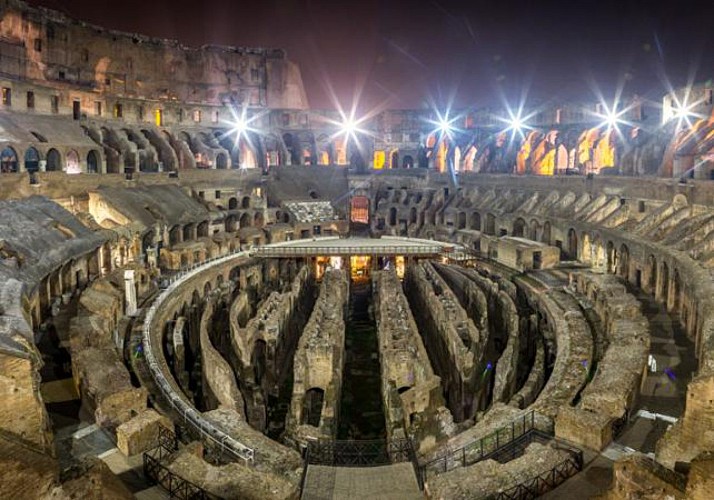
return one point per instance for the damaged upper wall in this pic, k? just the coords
(46, 46)
(145, 205)
(37, 236)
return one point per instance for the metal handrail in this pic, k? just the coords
(354, 250)
(479, 449)
(191, 416)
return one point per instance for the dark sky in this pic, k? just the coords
(403, 53)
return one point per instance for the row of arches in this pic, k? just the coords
(192, 231)
(659, 277)
(540, 152)
(32, 161)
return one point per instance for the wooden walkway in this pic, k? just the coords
(389, 482)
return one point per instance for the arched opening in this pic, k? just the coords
(413, 215)
(245, 220)
(408, 162)
(651, 275)
(92, 162)
(221, 161)
(624, 268)
(230, 224)
(245, 202)
(188, 232)
(73, 166)
(8, 160)
(475, 222)
(293, 147)
(312, 407)
(664, 283)
(572, 244)
(394, 160)
(32, 160)
(535, 229)
(545, 236)
(258, 220)
(202, 230)
(611, 257)
(519, 228)
(461, 220)
(490, 224)
(54, 161)
(392, 216)
(175, 235)
(232, 203)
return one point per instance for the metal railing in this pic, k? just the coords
(299, 251)
(191, 417)
(480, 449)
(175, 485)
(204, 429)
(360, 453)
(536, 486)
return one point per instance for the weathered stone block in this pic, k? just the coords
(583, 427)
(141, 433)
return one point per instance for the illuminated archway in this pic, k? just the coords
(73, 166)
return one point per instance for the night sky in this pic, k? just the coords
(408, 53)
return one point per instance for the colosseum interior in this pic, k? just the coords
(206, 291)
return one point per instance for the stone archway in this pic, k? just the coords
(92, 162)
(72, 160)
(54, 161)
(519, 228)
(32, 160)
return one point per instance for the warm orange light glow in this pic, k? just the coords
(469, 158)
(360, 266)
(440, 160)
(359, 209)
(341, 151)
(248, 159)
(400, 265)
(379, 160)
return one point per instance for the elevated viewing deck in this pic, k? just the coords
(335, 246)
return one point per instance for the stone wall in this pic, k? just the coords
(97, 366)
(411, 393)
(22, 413)
(450, 336)
(264, 347)
(318, 363)
(230, 481)
(489, 477)
(220, 388)
(611, 394)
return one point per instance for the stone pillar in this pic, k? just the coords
(130, 293)
(151, 258)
